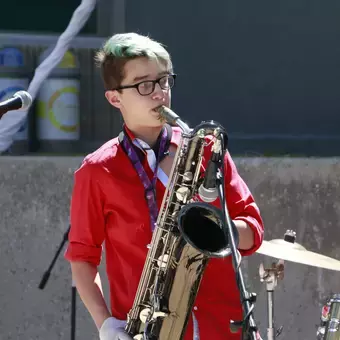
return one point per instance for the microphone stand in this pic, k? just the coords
(46, 276)
(248, 325)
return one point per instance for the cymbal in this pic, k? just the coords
(295, 252)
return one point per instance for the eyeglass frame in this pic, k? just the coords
(154, 82)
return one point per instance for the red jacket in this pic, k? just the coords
(108, 205)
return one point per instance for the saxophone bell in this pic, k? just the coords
(202, 226)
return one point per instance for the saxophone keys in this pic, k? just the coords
(201, 133)
(159, 315)
(183, 193)
(162, 261)
(188, 176)
(138, 337)
(144, 314)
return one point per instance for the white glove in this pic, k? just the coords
(113, 329)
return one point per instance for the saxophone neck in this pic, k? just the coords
(201, 130)
(172, 118)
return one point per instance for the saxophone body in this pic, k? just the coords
(187, 234)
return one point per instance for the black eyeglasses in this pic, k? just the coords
(146, 87)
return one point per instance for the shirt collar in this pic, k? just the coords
(138, 143)
(129, 132)
(133, 139)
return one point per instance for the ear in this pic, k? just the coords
(113, 98)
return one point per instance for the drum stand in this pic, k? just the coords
(46, 276)
(271, 276)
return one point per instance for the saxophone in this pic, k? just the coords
(187, 234)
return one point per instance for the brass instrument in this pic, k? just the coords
(187, 234)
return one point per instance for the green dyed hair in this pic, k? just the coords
(121, 48)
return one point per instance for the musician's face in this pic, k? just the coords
(138, 107)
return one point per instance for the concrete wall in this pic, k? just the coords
(298, 194)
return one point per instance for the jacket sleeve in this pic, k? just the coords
(241, 203)
(87, 230)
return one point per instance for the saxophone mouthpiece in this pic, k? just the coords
(167, 115)
(172, 118)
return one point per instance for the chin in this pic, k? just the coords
(156, 119)
(157, 123)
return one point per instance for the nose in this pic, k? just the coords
(158, 93)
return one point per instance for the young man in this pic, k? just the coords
(109, 202)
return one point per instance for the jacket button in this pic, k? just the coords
(195, 308)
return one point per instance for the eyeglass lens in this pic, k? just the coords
(147, 87)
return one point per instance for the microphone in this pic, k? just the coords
(208, 189)
(20, 100)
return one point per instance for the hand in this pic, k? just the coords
(113, 329)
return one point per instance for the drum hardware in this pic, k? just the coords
(287, 249)
(271, 276)
(329, 328)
